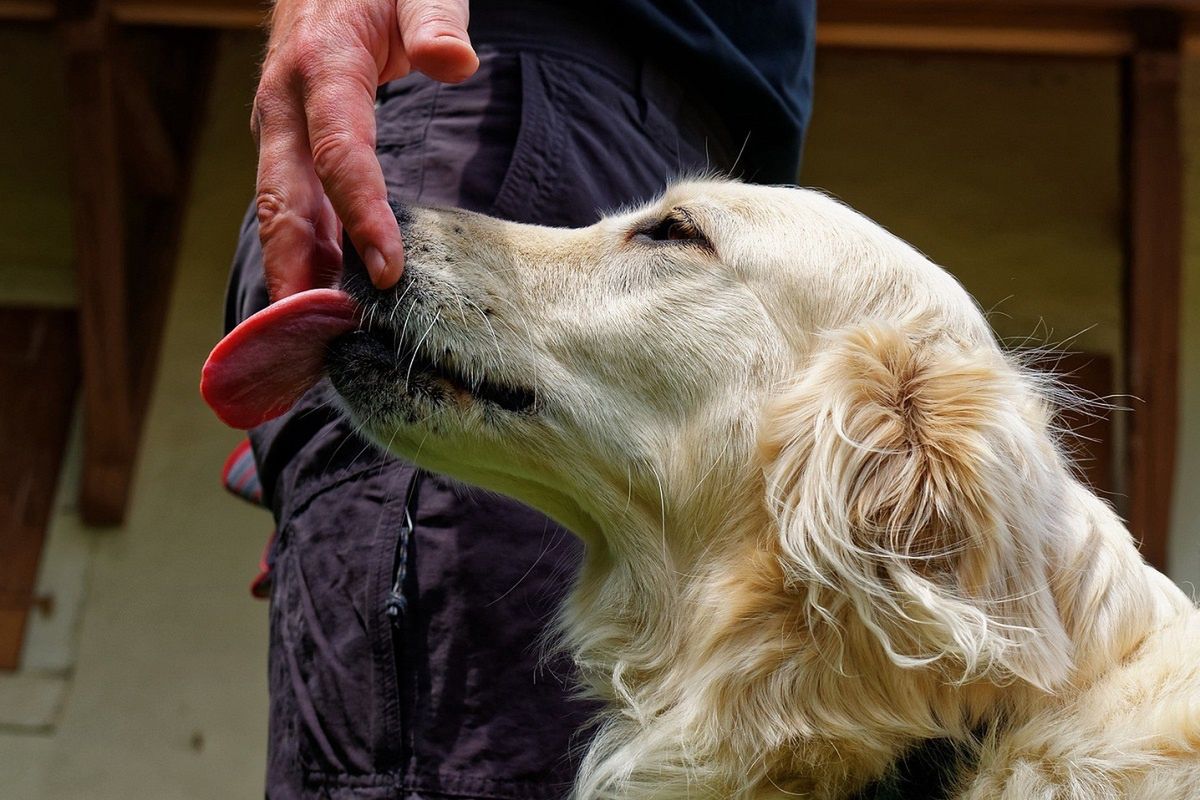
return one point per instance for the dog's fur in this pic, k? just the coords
(826, 517)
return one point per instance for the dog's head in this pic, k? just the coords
(726, 353)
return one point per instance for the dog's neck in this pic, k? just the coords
(714, 678)
(714, 675)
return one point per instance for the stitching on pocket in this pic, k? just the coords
(424, 136)
(522, 189)
(318, 487)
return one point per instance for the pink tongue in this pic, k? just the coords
(265, 364)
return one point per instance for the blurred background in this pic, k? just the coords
(1045, 152)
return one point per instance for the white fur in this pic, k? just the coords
(826, 517)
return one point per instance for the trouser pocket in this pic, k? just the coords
(336, 703)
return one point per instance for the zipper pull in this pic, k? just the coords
(396, 604)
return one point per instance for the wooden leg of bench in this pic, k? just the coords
(1154, 196)
(39, 373)
(99, 231)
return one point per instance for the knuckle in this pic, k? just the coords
(270, 98)
(333, 154)
(268, 207)
(271, 82)
(314, 30)
(312, 58)
(299, 62)
(278, 69)
(272, 212)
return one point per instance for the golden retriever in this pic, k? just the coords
(826, 516)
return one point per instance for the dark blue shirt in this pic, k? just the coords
(749, 61)
(752, 60)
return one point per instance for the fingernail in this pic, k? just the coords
(376, 264)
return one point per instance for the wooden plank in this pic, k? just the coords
(231, 14)
(992, 39)
(184, 61)
(1077, 28)
(99, 228)
(149, 154)
(1089, 423)
(217, 14)
(1153, 167)
(27, 10)
(126, 237)
(39, 375)
(1019, 28)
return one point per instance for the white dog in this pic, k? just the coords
(826, 518)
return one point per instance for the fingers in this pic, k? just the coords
(341, 132)
(315, 123)
(435, 38)
(296, 225)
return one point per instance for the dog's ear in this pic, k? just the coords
(915, 484)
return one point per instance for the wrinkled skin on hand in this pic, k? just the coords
(314, 121)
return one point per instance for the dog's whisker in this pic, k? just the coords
(398, 303)
(417, 349)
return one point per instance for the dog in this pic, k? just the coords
(826, 516)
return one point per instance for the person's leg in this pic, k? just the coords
(444, 695)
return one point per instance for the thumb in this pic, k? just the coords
(435, 38)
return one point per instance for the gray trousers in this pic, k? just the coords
(444, 692)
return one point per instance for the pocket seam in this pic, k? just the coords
(527, 163)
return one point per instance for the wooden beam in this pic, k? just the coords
(230, 14)
(1057, 28)
(126, 237)
(185, 61)
(27, 10)
(1074, 28)
(997, 40)
(1153, 171)
(216, 14)
(109, 431)
(996, 37)
(148, 154)
(39, 374)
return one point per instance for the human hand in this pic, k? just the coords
(314, 122)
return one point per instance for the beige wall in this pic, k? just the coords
(35, 240)
(1006, 172)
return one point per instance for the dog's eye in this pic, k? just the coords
(671, 229)
(675, 227)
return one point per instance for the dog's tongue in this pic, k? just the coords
(265, 364)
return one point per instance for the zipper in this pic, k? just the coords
(397, 604)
